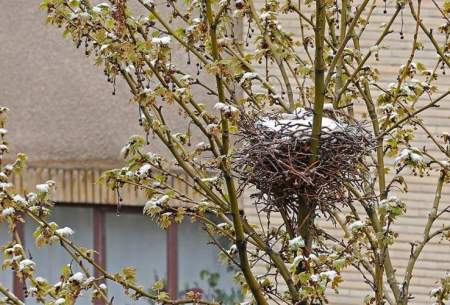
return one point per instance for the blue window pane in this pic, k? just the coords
(50, 259)
(134, 240)
(5, 275)
(199, 266)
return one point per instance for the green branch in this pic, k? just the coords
(10, 296)
(319, 78)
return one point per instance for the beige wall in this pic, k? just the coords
(435, 260)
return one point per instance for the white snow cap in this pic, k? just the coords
(149, 2)
(161, 41)
(158, 201)
(26, 263)
(300, 120)
(43, 188)
(66, 231)
(20, 200)
(409, 154)
(296, 243)
(356, 225)
(155, 202)
(8, 211)
(77, 277)
(227, 109)
(435, 291)
(233, 249)
(40, 280)
(248, 76)
(143, 170)
(328, 106)
(331, 275)
(60, 301)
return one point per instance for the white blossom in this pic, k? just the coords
(203, 145)
(297, 260)
(315, 277)
(187, 78)
(313, 257)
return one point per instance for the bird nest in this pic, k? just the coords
(275, 157)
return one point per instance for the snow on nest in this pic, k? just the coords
(300, 120)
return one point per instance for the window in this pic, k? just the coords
(5, 276)
(50, 259)
(180, 256)
(134, 240)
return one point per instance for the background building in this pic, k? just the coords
(65, 118)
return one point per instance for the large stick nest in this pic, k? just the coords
(274, 156)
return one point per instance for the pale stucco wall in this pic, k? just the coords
(61, 105)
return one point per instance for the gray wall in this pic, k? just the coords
(61, 105)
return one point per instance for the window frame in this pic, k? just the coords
(99, 245)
